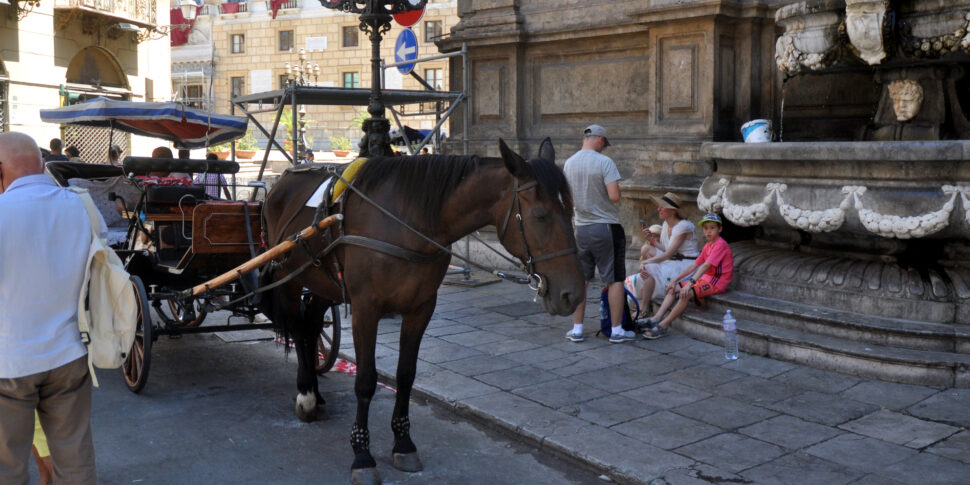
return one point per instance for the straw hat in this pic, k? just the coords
(668, 201)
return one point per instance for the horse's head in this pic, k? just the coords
(535, 225)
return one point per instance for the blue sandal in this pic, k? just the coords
(656, 332)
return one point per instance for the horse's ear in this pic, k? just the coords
(546, 152)
(513, 162)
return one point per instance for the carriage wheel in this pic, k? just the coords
(137, 363)
(328, 343)
(186, 315)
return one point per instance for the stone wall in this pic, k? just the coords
(662, 76)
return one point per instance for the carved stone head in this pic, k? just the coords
(863, 22)
(907, 96)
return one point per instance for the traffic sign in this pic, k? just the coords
(406, 49)
(409, 18)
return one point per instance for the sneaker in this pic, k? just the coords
(645, 324)
(656, 332)
(622, 336)
(574, 337)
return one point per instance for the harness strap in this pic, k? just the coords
(508, 214)
(386, 248)
(564, 252)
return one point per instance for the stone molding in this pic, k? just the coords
(831, 219)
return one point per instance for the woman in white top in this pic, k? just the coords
(677, 250)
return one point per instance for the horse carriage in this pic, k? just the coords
(173, 236)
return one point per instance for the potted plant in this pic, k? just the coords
(246, 146)
(221, 150)
(340, 145)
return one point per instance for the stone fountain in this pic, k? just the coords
(853, 231)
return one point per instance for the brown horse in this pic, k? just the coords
(444, 198)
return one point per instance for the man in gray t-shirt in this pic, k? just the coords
(595, 184)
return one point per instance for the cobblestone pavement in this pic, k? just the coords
(674, 410)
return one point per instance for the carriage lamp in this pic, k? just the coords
(188, 8)
(375, 20)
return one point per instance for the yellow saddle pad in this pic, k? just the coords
(349, 173)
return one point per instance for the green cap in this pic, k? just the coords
(711, 218)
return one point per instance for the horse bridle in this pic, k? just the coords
(536, 282)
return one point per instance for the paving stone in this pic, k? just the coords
(860, 452)
(822, 408)
(759, 366)
(711, 357)
(518, 309)
(888, 394)
(483, 317)
(515, 328)
(900, 429)
(544, 337)
(448, 329)
(704, 376)
(873, 479)
(426, 342)
(447, 386)
(724, 412)
(789, 432)
(505, 346)
(816, 380)
(801, 469)
(538, 354)
(929, 468)
(590, 343)
(572, 365)
(481, 364)
(660, 364)
(667, 430)
(522, 416)
(669, 344)
(731, 451)
(956, 447)
(615, 353)
(559, 393)
(756, 390)
(602, 446)
(516, 377)
(616, 379)
(666, 395)
(476, 338)
(446, 352)
(610, 410)
(700, 474)
(951, 406)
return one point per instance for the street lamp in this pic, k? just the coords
(188, 8)
(375, 20)
(299, 75)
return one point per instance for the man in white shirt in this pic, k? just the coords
(43, 364)
(595, 183)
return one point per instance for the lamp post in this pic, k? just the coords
(299, 74)
(375, 20)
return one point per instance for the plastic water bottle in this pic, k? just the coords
(604, 311)
(730, 336)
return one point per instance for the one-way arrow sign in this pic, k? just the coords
(406, 49)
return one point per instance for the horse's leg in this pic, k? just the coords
(364, 469)
(303, 331)
(405, 454)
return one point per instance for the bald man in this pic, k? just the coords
(43, 365)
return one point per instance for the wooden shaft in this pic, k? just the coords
(280, 249)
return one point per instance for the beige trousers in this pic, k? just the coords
(62, 398)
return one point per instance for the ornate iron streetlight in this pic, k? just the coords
(299, 74)
(375, 20)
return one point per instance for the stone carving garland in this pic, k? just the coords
(827, 220)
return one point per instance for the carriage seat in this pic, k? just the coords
(99, 191)
(148, 165)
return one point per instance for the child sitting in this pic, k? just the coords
(712, 271)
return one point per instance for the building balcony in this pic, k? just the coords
(138, 12)
(288, 5)
(234, 7)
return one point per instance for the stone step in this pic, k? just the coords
(871, 329)
(909, 366)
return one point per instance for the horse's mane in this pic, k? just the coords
(428, 180)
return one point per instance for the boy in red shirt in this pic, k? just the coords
(712, 271)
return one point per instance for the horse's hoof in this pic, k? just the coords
(365, 476)
(408, 462)
(306, 407)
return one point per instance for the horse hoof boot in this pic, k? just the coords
(365, 476)
(306, 407)
(408, 462)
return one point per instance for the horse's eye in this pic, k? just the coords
(540, 213)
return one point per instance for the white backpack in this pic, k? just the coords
(109, 319)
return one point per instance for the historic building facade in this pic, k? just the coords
(662, 76)
(64, 51)
(238, 48)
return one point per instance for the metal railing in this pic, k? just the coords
(289, 4)
(234, 7)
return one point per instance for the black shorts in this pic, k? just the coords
(602, 247)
